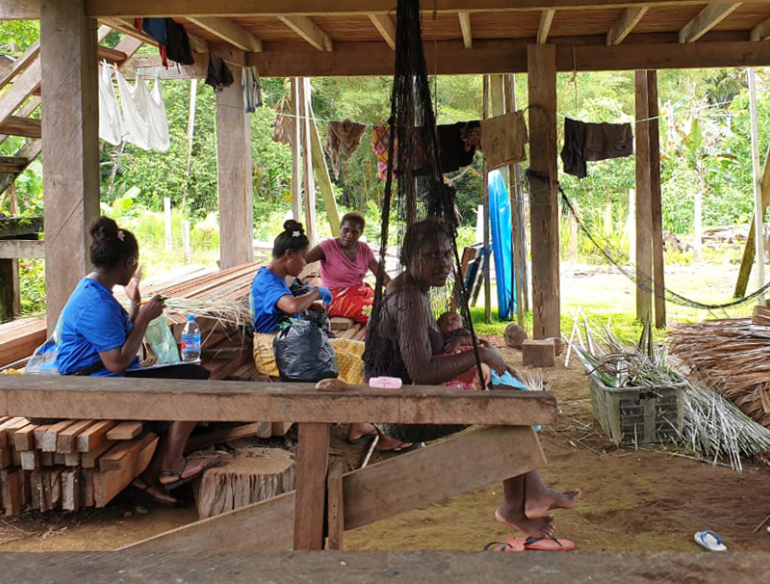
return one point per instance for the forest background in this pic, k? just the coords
(705, 161)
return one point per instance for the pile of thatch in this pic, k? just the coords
(731, 356)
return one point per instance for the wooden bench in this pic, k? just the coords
(508, 448)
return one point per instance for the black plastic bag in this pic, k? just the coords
(303, 352)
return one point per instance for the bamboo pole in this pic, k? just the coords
(487, 283)
(759, 230)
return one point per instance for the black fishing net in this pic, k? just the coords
(414, 191)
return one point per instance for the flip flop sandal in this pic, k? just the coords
(710, 540)
(363, 439)
(512, 544)
(548, 544)
(401, 448)
(154, 499)
(184, 480)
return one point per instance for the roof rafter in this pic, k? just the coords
(229, 32)
(309, 31)
(706, 19)
(761, 32)
(625, 23)
(465, 26)
(546, 19)
(386, 28)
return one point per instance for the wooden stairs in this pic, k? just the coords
(20, 101)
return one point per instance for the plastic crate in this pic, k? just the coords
(634, 415)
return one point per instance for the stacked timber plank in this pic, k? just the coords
(69, 464)
(345, 328)
(733, 357)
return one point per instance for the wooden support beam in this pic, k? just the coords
(22, 88)
(308, 176)
(465, 27)
(30, 151)
(12, 249)
(234, 185)
(70, 116)
(335, 504)
(296, 150)
(385, 27)
(240, 401)
(546, 19)
(309, 31)
(20, 64)
(761, 32)
(323, 180)
(229, 32)
(18, 126)
(410, 481)
(182, 8)
(310, 498)
(544, 214)
(625, 23)
(656, 210)
(643, 195)
(706, 19)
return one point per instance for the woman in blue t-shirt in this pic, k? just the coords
(100, 338)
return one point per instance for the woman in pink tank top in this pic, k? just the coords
(344, 263)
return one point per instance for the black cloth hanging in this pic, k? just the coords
(454, 152)
(178, 43)
(218, 74)
(591, 142)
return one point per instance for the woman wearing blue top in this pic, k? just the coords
(272, 302)
(100, 338)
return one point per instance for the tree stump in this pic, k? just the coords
(538, 353)
(252, 475)
(515, 336)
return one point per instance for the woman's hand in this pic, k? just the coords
(132, 288)
(325, 295)
(154, 308)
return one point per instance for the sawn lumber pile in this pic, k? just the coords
(69, 464)
(733, 357)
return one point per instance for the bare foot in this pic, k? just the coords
(359, 430)
(538, 528)
(541, 499)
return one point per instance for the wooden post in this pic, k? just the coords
(186, 240)
(643, 208)
(323, 179)
(573, 235)
(631, 225)
(758, 207)
(70, 145)
(307, 157)
(544, 210)
(335, 504)
(296, 152)
(236, 199)
(167, 217)
(487, 263)
(312, 460)
(517, 217)
(656, 213)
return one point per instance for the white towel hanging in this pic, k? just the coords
(136, 127)
(110, 120)
(159, 133)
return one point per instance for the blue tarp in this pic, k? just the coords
(502, 244)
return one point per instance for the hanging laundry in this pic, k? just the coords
(252, 92)
(218, 74)
(454, 152)
(283, 131)
(344, 137)
(144, 115)
(110, 120)
(503, 139)
(158, 121)
(178, 44)
(136, 128)
(470, 132)
(381, 139)
(155, 28)
(591, 142)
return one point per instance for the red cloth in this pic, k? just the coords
(354, 302)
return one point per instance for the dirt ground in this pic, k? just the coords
(634, 500)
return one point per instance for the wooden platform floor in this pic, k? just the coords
(383, 568)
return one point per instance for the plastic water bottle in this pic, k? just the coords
(191, 340)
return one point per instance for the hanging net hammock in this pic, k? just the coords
(420, 194)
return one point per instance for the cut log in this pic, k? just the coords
(125, 431)
(761, 316)
(252, 475)
(538, 353)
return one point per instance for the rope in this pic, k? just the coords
(641, 279)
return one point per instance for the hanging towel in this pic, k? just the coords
(157, 120)
(110, 120)
(218, 74)
(453, 151)
(503, 139)
(381, 139)
(155, 28)
(178, 44)
(591, 142)
(136, 127)
(252, 92)
(344, 137)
